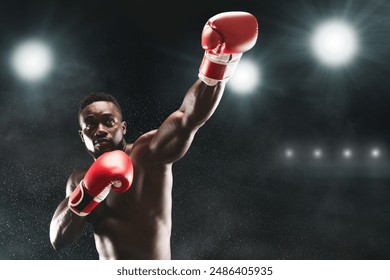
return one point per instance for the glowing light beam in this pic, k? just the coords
(246, 78)
(347, 153)
(317, 153)
(32, 60)
(334, 43)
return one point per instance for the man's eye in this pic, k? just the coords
(89, 125)
(110, 122)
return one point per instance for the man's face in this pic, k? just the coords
(102, 128)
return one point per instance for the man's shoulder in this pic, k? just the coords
(144, 140)
(140, 150)
(147, 136)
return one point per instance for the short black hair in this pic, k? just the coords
(99, 96)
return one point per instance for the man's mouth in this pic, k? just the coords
(102, 141)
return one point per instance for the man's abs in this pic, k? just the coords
(116, 239)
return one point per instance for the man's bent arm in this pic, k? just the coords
(66, 227)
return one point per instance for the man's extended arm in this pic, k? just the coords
(225, 37)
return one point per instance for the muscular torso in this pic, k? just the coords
(136, 224)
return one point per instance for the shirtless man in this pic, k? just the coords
(126, 193)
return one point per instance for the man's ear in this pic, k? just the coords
(124, 127)
(81, 135)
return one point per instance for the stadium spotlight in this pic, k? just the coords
(334, 42)
(32, 60)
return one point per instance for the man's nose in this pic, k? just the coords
(101, 130)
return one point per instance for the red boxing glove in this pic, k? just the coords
(225, 37)
(112, 170)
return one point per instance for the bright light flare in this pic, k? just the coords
(245, 78)
(289, 153)
(32, 60)
(347, 153)
(375, 153)
(317, 153)
(334, 42)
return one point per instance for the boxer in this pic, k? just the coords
(126, 193)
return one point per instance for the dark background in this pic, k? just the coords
(234, 195)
